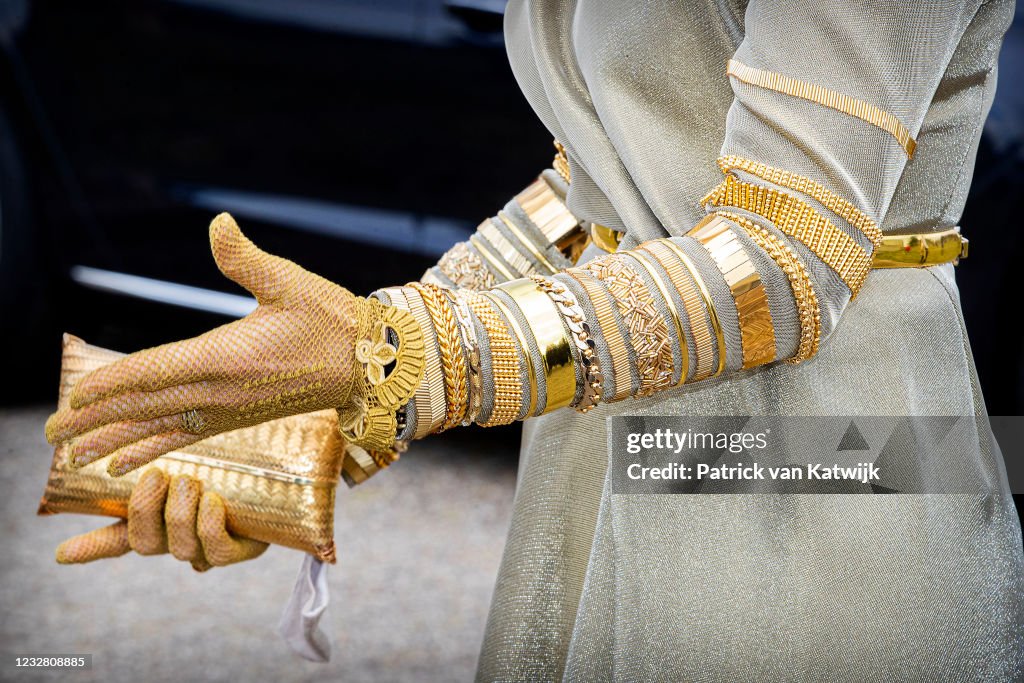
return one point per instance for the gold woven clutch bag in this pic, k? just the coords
(278, 479)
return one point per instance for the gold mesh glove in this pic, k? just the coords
(309, 345)
(166, 514)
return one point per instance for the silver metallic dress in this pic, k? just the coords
(595, 586)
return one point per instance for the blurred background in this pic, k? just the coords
(390, 127)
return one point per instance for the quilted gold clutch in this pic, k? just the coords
(278, 479)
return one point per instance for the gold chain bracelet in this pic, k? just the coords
(471, 345)
(576, 321)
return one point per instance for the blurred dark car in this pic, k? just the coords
(359, 138)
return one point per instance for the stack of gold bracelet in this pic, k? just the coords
(508, 390)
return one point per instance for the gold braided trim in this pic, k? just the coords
(830, 200)
(610, 333)
(864, 111)
(547, 211)
(513, 324)
(799, 282)
(700, 330)
(471, 347)
(799, 220)
(561, 162)
(430, 396)
(463, 267)
(520, 265)
(648, 332)
(508, 389)
(642, 258)
(527, 243)
(452, 359)
(491, 258)
(756, 331)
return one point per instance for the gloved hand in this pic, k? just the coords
(296, 353)
(166, 514)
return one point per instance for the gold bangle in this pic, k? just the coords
(579, 331)
(463, 267)
(508, 389)
(561, 162)
(491, 258)
(798, 219)
(547, 211)
(545, 324)
(610, 333)
(517, 330)
(830, 200)
(799, 281)
(430, 399)
(520, 265)
(648, 332)
(793, 87)
(452, 358)
(659, 282)
(756, 332)
(525, 241)
(700, 330)
(471, 345)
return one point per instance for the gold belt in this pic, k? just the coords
(918, 250)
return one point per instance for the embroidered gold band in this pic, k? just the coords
(799, 220)
(799, 281)
(648, 333)
(756, 331)
(864, 111)
(700, 330)
(429, 398)
(610, 333)
(463, 266)
(830, 200)
(643, 259)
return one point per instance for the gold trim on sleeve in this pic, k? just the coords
(798, 219)
(610, 333)
(508, 389)
(545, 323)
(664, 252)
(429, 398)
(755, 318)
(799, 281)
(793, 87)
(648, 332)
(830, 200)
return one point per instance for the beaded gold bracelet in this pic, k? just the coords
(453, 360)
(684, 351)
(648, 332)
(612, 337)
(576, 320)
(798, 219)
(463, 267)
(667, 254)
(756, 332)
(799, 281)
(508, 389)
(527, 357)
(545, 323)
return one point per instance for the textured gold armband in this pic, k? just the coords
(505, 363)
(520, 265)
(453, 361)
(579, 331)
(471, 346)
(756, 331)
(527, 243)
(463, 267)
(526, 358)
(490, 257)
(545, 323)
(547, 211)
(830, 200)
(430, 395)
(799, 281)
(798, 219)
(648, 332)
(612, 337)
(864, 111)
(641, 257)
(668, 255)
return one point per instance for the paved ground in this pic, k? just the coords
(419, 547)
